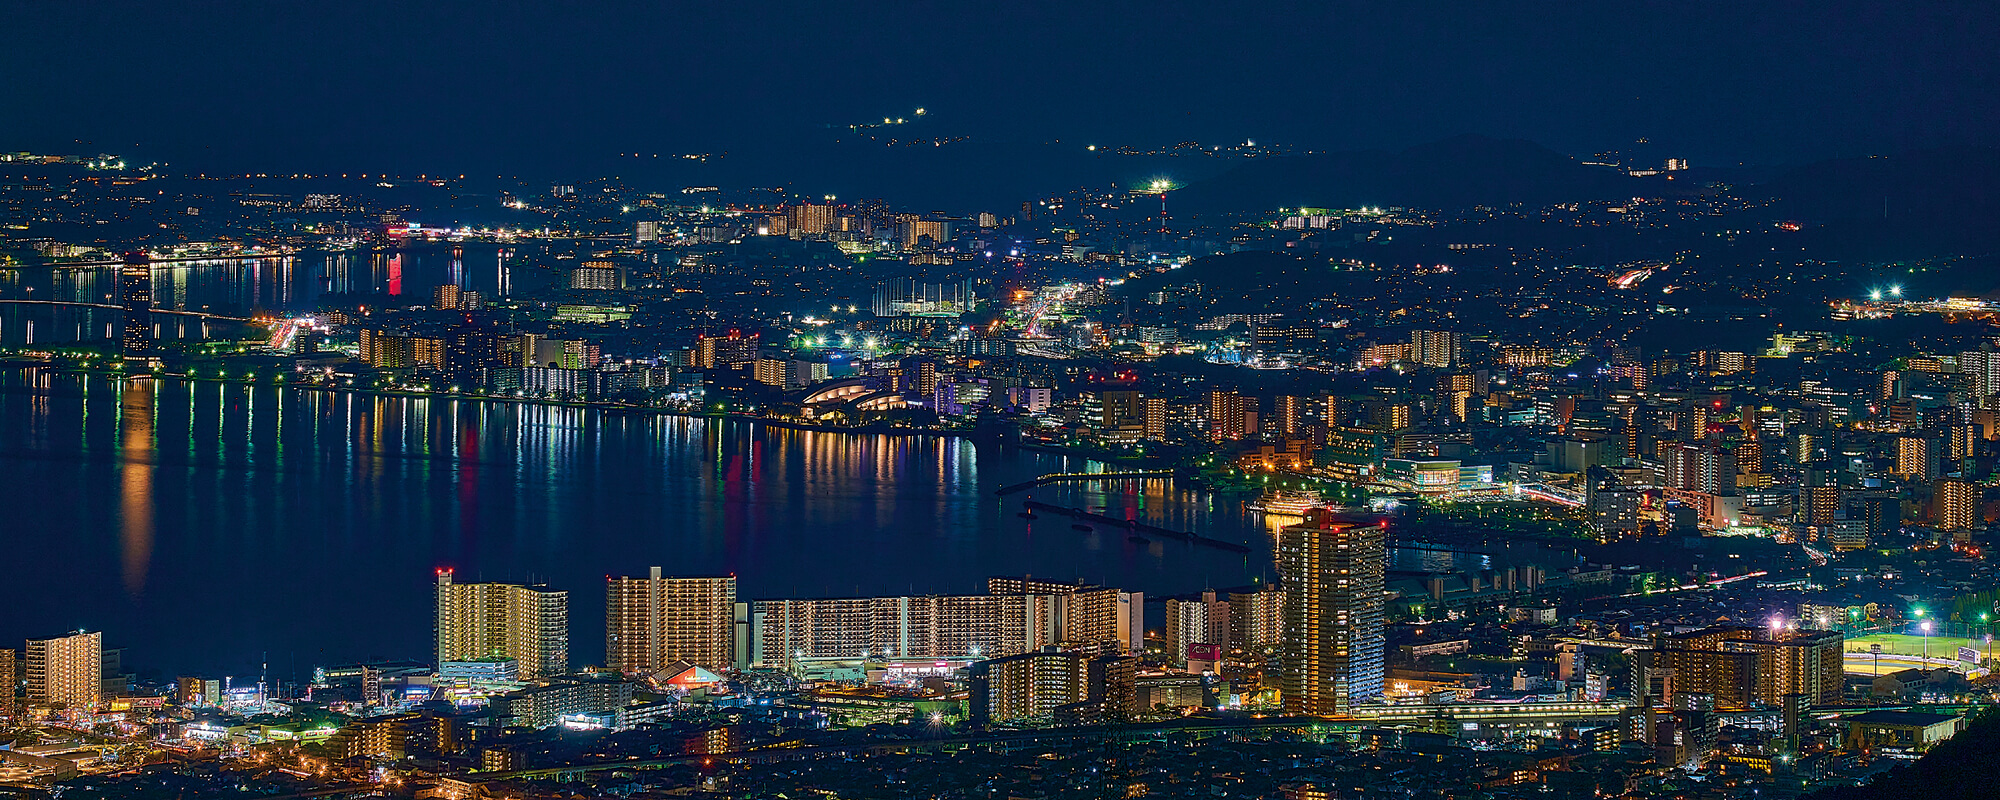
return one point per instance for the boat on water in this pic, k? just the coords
(1082, 527)
(1288, 502)
(1138, 540)
(1027, 515)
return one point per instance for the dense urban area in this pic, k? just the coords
(1637, 479)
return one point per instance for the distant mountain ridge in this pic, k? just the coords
(1459, 172)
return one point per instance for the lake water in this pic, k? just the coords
(41, 305)
(204, 525)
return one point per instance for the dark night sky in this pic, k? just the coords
(544, 87)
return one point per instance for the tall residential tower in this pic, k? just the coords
(654, 621)
(1333, 574)
(490, 621)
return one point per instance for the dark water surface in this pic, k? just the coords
(201, 525)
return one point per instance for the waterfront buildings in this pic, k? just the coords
(1333, 573)
(135, 293)
(493, 621)
(65, 671)
(783, 633)
(655, 621)
(1093, 618)
(1017, 615)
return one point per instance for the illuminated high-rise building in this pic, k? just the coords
(654, 621)
(1957, 504)
(781, 633)
(807, 218)
(1092, 618)
(597, 275)
(1738, 667)
(1204, 620)
(727, 350)
(1257, 619)
(65, 671)
(1287, 414)
(1982, 371)
(1917, 457)
(1230, 416)
(1819, 499)
(1333, 575)
(491, 621)
(9, 678)
(135, 293)
(1436, 348)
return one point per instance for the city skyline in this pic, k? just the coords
(1291, 401)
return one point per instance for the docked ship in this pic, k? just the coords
(1289, 502)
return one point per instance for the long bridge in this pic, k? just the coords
(1060, 477)
(116, 307)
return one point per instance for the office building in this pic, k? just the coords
(501, 621)
(655, 621)
(65, 671)
(1333, 573)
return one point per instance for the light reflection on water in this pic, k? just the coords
(200, 524)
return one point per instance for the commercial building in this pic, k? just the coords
(487, 621)
(1333, 573)
(654, 621)
(65, 671)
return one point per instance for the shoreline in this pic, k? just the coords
(619, 409)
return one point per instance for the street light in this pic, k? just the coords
(1926, 628)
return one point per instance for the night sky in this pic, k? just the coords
(547, 87)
